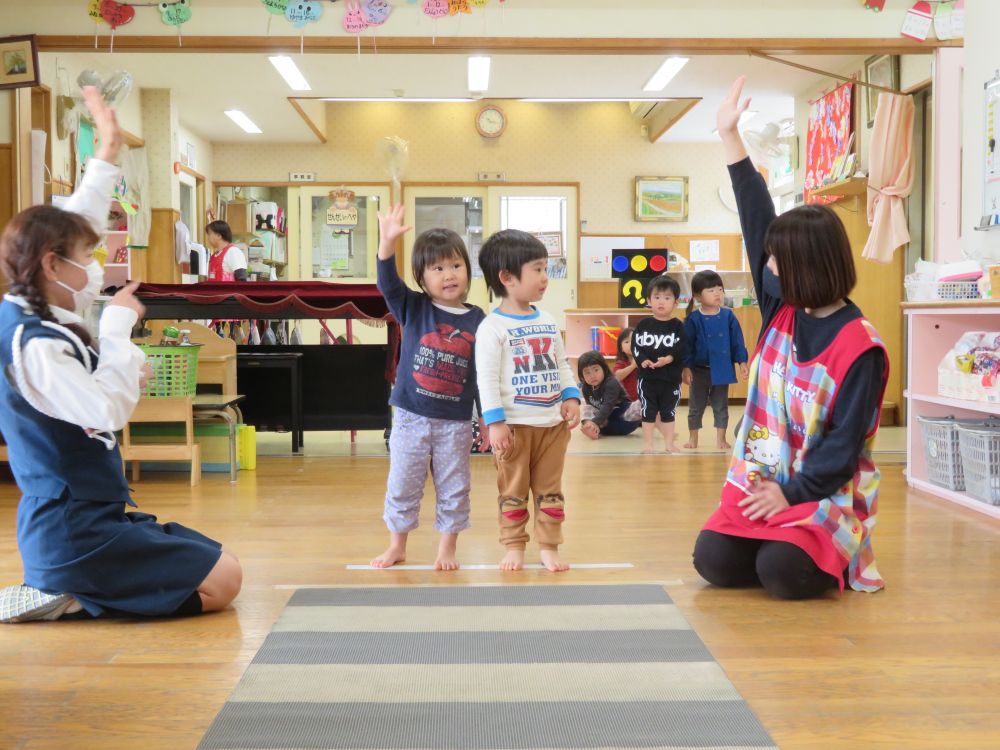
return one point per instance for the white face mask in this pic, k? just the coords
(84, 298)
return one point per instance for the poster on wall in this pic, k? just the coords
(991, 173)
(831, 124)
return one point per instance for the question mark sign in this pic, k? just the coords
(635, 285)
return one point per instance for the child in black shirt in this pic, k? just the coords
(658, 348)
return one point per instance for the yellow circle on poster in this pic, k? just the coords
(639, 263)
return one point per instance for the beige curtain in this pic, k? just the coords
(890, 178)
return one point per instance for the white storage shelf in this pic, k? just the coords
(932, 330)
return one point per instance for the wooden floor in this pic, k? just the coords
(916, 666)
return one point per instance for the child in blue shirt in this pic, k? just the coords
(715, 344)
(435, 386)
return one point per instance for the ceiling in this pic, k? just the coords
(206, 84)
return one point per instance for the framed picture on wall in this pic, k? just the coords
(882, 70)
(661, 198)
(18, 61)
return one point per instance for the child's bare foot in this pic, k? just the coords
(691, 444)
(671, 448)
(389, 558)
(552, 561)
(513, 560)
(723, 445)
(647, 448)
(446, 553)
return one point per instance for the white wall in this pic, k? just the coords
(982, 59)
(203, 151)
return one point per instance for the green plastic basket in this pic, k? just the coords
(175, 370)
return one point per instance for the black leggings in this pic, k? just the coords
(783, 569)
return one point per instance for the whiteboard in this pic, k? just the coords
(595, 255)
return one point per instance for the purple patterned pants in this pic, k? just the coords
(415, 444)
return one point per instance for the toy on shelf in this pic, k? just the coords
(971, 370)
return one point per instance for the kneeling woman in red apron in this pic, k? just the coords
(799, 502)
(227, 262)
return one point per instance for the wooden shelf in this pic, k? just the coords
(854, 186)
(985, 407)
(960, 305)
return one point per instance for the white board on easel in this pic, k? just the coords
(595, 255)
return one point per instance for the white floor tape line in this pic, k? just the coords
(527, 566)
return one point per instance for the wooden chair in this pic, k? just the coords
(173, 409)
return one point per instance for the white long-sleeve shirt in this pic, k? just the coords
(522, 370)
(56, 383)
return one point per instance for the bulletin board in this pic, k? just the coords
(991, 171)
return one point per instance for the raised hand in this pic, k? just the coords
(125, 297)
(728, 117)
(105, 123)
(391, 228)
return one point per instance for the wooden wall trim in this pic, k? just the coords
(504, 45)
(193, 173)
(308, 120)
(131, 140)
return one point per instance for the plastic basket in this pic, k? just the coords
(980, 447)
(942, 452)
(175, 370)
(918, 290)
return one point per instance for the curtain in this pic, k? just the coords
(890, 178)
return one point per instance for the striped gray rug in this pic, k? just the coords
(484, 668)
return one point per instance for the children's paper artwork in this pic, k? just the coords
(917, 22)
(436, 8)
(478, 3)
(116, 14)
(943, 26)
(94, 11)
(276, 7)
(458, 6)
(958, 19)
(175, 13)
(828, 136)
(876, 5)
(354, 21)
(301, 13)
(376, 11)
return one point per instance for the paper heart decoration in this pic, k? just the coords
(435, 8)
(277, 7)
(115, 88)
(174, 14)
(94, 11)
(376, 11)
(458, 6)
(354, 19)
(116, 14)
(304, 11)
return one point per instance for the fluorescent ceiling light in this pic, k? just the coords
(243, 121)
(744, 119)
(290, 72)
(671, 67)
(407, 99)
(479, 73)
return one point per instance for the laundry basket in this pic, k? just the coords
(942, 452)
(175, 370)
(980, 447)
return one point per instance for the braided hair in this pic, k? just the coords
(26, 240)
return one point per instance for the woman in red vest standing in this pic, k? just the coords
(227, 262)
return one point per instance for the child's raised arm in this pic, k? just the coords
(396, 293)
(390, 229)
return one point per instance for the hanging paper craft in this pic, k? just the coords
(176, 14)
(942, 21)
(376, 11)
(94, 11)
(918, 20)
(478, 3)
(436, 8)
(458, 6)
(354, 19)
(343, 211)
(876, 5)
(276, 7)
(301, 13)
(958, 20)
(116, 14)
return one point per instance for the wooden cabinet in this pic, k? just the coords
(932, 331)
(579, 338)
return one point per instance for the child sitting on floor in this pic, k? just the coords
(606, 409)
